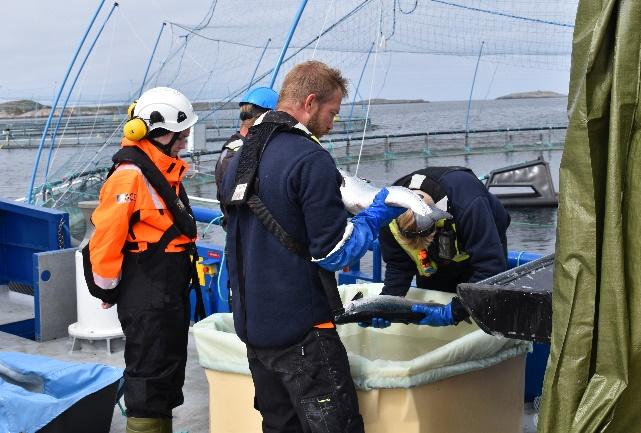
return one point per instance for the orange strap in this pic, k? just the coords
(326, 325)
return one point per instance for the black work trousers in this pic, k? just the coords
(153, 308)
(306, 387)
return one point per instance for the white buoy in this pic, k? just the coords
(94, 322)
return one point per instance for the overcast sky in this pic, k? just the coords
(39, 37)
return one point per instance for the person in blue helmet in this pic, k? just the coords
(256, 101)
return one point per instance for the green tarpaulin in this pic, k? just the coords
(593, 380)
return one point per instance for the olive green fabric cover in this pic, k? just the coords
(593, 379)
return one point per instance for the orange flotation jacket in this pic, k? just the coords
(143, 209)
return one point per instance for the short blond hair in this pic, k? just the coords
(312, 77)
(407, 222)
(248, 108)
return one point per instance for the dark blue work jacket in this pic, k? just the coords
(481, 223)
(283, 297)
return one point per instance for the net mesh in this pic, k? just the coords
(525, 33)
(236, 44)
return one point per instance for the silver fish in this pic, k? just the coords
(393, 308)
(359, 194)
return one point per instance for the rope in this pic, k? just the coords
(503, 14)
(220, 272)
(371, 91)
(400, 8)
(214, 221)
(53, 153)
(114, 32)
(132, 30)
(331, 7)
(489, 87)
(208, 16)
(180, 61)
(185, 52)
(263, 75)
(222, 260)
(225, 41)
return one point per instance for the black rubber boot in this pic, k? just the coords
(149, 425)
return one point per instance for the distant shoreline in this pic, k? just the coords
(32, 109)
(22, 109)
(535, 94)
(382, 101)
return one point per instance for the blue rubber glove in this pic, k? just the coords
(377, 322)
(435, 315)
(366, 225)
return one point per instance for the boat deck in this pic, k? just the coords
(192, 416)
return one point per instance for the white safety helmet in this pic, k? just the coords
(164, 107)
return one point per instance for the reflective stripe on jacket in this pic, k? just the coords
(426, 264)
(425, 269)
(125, 197)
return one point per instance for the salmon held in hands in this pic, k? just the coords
(395, 309)
(358, 194)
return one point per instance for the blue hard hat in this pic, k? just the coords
(263, 97)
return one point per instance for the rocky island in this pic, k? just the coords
(535, 94)
(26, 108)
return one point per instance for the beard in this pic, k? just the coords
(313, 124)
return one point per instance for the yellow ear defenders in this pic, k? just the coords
(135, 128)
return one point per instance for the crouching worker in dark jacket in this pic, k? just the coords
(468, 248)
(287, 232)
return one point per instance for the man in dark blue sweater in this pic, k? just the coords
(470, 247)
(285, 220)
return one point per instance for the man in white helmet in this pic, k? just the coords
(141, 256)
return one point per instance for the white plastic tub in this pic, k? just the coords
(410, 378)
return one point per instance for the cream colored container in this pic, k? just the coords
(411, 379)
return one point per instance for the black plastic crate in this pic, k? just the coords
(92, 413)
(516, 303)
